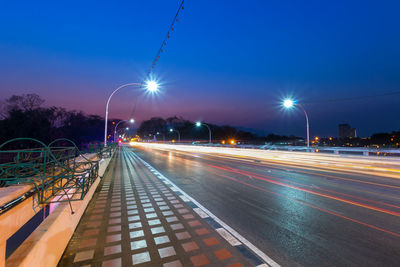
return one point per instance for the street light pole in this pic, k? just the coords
(151, 86)
(308, 125)
(108, 102)
(198, 124)
(179, 134)
(158, 133)
(288, 103)
(115, 129)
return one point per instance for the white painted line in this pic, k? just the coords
(238, 236)
(228, 237)
(184, 198)
(201, 213)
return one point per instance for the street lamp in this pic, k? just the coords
(158, 133)
(151, 86)
(198, 124)
(288, 103)
(115, 129)
(179, 134)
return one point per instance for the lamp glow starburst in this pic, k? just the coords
(152, 86)
(288, 103)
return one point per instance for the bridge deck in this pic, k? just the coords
(135, 219)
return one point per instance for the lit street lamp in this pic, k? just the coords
(179, 134)
(288, 103)
(115, 129)
(158, 133)
(151, 86)
(198, 124)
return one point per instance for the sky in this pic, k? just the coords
(227, 62)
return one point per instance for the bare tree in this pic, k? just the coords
(24, 102)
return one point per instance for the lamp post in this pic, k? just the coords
(288, 103)
(115, 129)
(198, 124)
(158, 133)
(179, 134)
(151, 86)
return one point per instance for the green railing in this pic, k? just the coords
(100, 150)
(58, 172)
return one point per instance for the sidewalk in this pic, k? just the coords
(135, 219)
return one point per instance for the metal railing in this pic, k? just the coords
(57, 173)
(100, 150)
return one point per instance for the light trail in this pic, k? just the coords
(247, 173)
(299, 169)
(316, 193)
(326, 193)
(344, 197)
(313, 206)
(385, 167)
(288, 202)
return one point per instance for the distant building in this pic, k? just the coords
(345, 131)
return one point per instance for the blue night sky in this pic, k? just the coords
(227, 62)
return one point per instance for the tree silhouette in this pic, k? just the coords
(24, 116)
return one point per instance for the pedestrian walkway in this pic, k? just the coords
(134, 219)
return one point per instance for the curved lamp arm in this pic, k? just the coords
(209, 131)
(108, 102)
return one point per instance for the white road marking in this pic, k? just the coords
(228, 237)
(201, 213)
(184, 198)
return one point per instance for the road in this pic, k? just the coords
(300, 210)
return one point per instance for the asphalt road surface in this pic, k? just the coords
(297, 214)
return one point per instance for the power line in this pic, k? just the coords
(166, 38)
(161, 49)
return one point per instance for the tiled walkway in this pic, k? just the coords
(134, 219)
